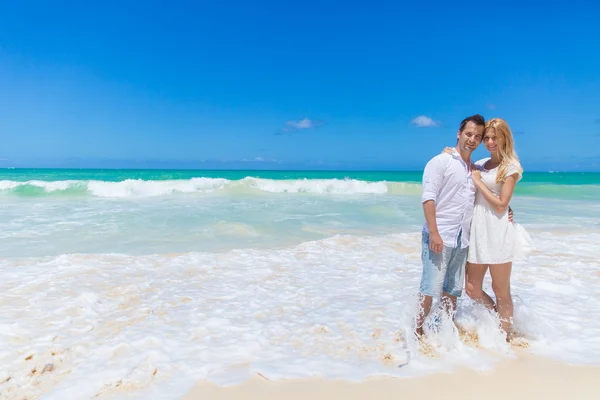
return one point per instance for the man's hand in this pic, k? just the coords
(510, 215)
(436, 244)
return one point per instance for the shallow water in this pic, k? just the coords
(140, 288)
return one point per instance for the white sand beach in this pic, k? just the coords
(527, 377)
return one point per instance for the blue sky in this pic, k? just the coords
(309, 84)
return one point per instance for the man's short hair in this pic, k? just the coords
(476, 119)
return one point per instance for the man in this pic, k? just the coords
(448, 200)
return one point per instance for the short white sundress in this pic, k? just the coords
(494, 239)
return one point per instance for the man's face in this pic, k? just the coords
(470, 137)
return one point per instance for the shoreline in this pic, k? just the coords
(525, 377)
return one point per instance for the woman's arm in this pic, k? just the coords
(506, 192)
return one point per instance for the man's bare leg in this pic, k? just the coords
(424, 308)
(449, 304)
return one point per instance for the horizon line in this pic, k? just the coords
(260, 169)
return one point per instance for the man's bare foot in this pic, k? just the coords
(425, 348)
(419, 332)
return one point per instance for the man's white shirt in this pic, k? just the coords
(447, 181)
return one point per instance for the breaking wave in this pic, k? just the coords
(147, 188)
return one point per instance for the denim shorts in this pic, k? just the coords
(442, 272)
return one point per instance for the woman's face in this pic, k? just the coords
(491, 141)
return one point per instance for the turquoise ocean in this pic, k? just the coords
(155, 279)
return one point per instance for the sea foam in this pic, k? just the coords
(144, 188)
(341, 307)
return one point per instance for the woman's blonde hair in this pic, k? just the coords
(506, 147)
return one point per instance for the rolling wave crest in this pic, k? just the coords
(148, 188)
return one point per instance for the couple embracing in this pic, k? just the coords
(466, 207)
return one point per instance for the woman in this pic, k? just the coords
(493, 236)
(495, 240)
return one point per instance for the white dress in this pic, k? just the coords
(493, 236)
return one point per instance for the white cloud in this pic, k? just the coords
(423, 121)
(255, 159)
(304, 123)
(295, 126)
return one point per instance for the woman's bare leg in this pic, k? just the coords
(474, 275)
(501, 286)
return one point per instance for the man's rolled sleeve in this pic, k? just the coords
(432, 179)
